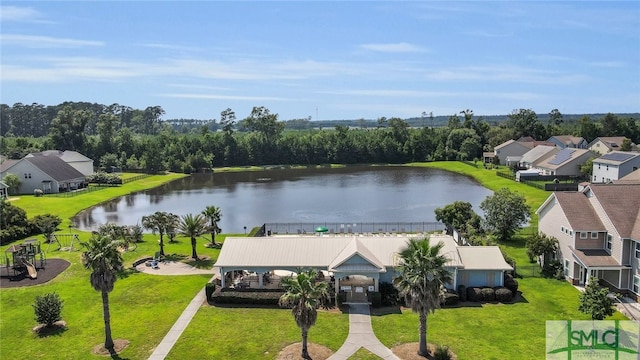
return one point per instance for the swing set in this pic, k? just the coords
(64, 241)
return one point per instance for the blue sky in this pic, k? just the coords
(327, 60)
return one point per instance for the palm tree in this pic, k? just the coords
(304, 294)
(421, 280)
(213, 214)
(160, 222)
(193, 226)
(104, 260)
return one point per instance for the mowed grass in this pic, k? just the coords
(68, 207)
(253, 333)
(489, 331)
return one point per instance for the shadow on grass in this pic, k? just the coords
(53, 330)
(175, 257)
(123, 274)
(386, 310)
(202, 263)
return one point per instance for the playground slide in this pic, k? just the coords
(32, 269)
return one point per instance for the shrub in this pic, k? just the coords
(209, 289)
(462, 292)
(553, 269)
(451, 298)
(375, 298)
(488, 294)
(511, 283)
(442, 353)
(38, 192)
(389, 294)
(504, 295)
(48, 309)
(246, 296)
(474, 294)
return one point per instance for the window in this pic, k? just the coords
(607, 167)
(566, 267)
(609, 242)
(571, 232)
(594, 234)
(636, 284)
(583, 235)
(598, 166)
(562, 228)
(637, 250)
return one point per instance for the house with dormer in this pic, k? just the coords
(598, 230)
(606, 144)
(614, 166)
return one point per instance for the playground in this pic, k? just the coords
(26, 265)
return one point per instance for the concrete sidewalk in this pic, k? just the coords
(361, 335)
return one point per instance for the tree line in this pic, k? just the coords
(127, 138)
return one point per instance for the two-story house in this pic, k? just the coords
(605, 144)
(614, 166)
(598, 230)
(568, 141)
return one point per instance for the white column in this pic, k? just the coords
(337, 287)
(260, 275)
(222, 277)
(375, 284)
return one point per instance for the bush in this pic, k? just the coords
(104, 178)
(442, 353)
(209, 290)
(389, 294)
(474, 294)
(375, 298)
(48, 309)
(553, 269)
(511, 283)
(462, 292)
(246, 296)
(38, 192)
(451, 298)
(488, 294)
(504, 295)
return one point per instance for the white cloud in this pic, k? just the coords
(222, 97)
(506, 73)
(33, 41)
(20, 14)
(436, 94)
(401, 47)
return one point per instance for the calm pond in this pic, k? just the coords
(351, 195)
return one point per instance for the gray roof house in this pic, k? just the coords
(73, 158)
(614, 165)
(598, 229)
(47, 173)
(565, 162)
(569, 141)
(537, 154)
(605, 144)
(511, 148)
(373, 258)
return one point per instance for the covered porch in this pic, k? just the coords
(600, 264)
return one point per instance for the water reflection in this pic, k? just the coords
(350, 195)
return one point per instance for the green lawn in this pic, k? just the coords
(144, 306)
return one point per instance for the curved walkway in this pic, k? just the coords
(361, 335)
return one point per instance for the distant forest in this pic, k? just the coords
(128, 138)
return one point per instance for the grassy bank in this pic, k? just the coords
(67, 207)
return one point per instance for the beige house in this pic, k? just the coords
(371, 258)
(565, 162)
(511, 148)
(603, 145)
(78, 161)
(598, 230)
